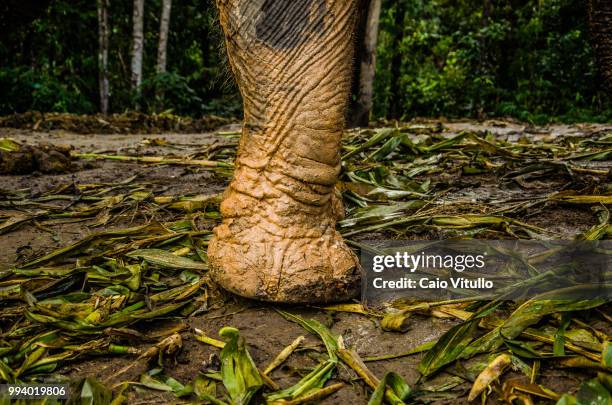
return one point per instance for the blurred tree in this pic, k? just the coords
(395, 101)
(137, 46)
(103, 32)
(366, 58)
(600, 20)
(162, 49)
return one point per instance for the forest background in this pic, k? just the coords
(527, 59)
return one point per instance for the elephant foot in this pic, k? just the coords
(270, 255)
(293, 64)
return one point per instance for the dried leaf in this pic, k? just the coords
(493, 371)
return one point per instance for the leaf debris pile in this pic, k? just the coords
(126, 123)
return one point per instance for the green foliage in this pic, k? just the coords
(238, 370)
(172, 92)
(168, 89)
(529, 59)
(26, 89)
(51, 63)
(523, 58)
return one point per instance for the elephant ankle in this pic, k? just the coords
(280, 244)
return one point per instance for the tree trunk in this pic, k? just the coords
(137, 45)
(367, 69)
(103, 55)
(600, 21)
(360, 32)
(396, 105)
(292, 60)
(163, 36)
(162, 50)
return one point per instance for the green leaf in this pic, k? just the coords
(153, 383)
(450, 346)
(240, 375)
(6, 373)
(163, 258)
(525, 349)
(155, 379)
(396, 384)
(567, 399)
(375, 214)
(388, 147)
(559, 343)
(379, 136)
(592, 392)
(531, 312)
(317, 328)
(94, 393)
(9, 145)
(312, 381)
(606, 354)
(31, 359)
(205, 388)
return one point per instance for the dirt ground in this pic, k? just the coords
(265, 331)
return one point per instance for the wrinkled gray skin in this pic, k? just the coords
(292, 60)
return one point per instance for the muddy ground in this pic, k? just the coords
(265, 331)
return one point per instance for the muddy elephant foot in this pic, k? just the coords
(292, 60)
(298, 258)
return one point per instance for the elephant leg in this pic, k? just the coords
(600, 24)
(292, 60)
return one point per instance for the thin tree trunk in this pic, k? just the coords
(103, 55)
(360, 24)
(163, 36)
(137, 45)
(368, 66)
(600, 24)
(396, 103)
(162, 49)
